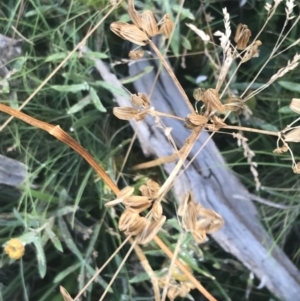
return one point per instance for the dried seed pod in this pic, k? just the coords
(197, 120)
(212, 101)
(234, 104)
(242, 36)
(134, 15)
(295, 105)
(136, 54)
(140, 99)
(137, 226)
(199, 236)
(149, 24)
(281, 150)
(188, 212)
(150, 190)
(208, 220)
(125, 113)
(218, 122)
(296, 168)
(130, 33)
(292, 136)
(173, 292)
(141, 115)
(167, 26)
(198, 93)
(148, 234)
(157, 210)
(252, 51)
(126, 219)
(124, 193)
(137, 202)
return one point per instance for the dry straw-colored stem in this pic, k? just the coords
(171, 73)
(57, 132)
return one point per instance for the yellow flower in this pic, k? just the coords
(14, 248)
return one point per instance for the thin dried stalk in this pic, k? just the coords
(65, 294)
(147, 267)
(79, 149)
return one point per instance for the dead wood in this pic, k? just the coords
(12, 172)
(212, 184)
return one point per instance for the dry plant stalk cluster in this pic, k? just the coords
(143, 215)
(216, 101)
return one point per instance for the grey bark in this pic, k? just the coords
(12, 172)
(212, 184)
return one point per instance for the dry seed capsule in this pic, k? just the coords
(242, 36)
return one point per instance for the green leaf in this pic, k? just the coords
(110, 87)
(139, 278)
(63, 274)
(71, 88)
(59, 56)
(97, 55)
(54, 239)
(96, 100)
(184, 12)
(41, 259)
(4, 86)
(80, 105)
(19, 63)
(185, 43)
(285, 110)
(137, 76)
(291, 86)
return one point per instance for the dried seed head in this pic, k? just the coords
(126, 219)
(136, 54)
(173, 292)
(149, 24)
(208, 220)
(157, 210)
(281, 150)
(137, 226)
(242, 36)
(140, 99)
(151, 230)
(137, 203)
(167, 26)
(295, 105)
(188, 212)
(198, 93)
(189, 125)
(296, 168)
(218, 122)
(130, 33)
(196, 119)
(212, 101)
(234, 104)
(292, 136)
(199, 236)
(252, 51)
(125, 113)
(150, 189)
(124, 193)
(134, 15)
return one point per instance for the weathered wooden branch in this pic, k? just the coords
(12, 172)
(212, 184)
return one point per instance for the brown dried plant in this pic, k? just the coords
(143, 216)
